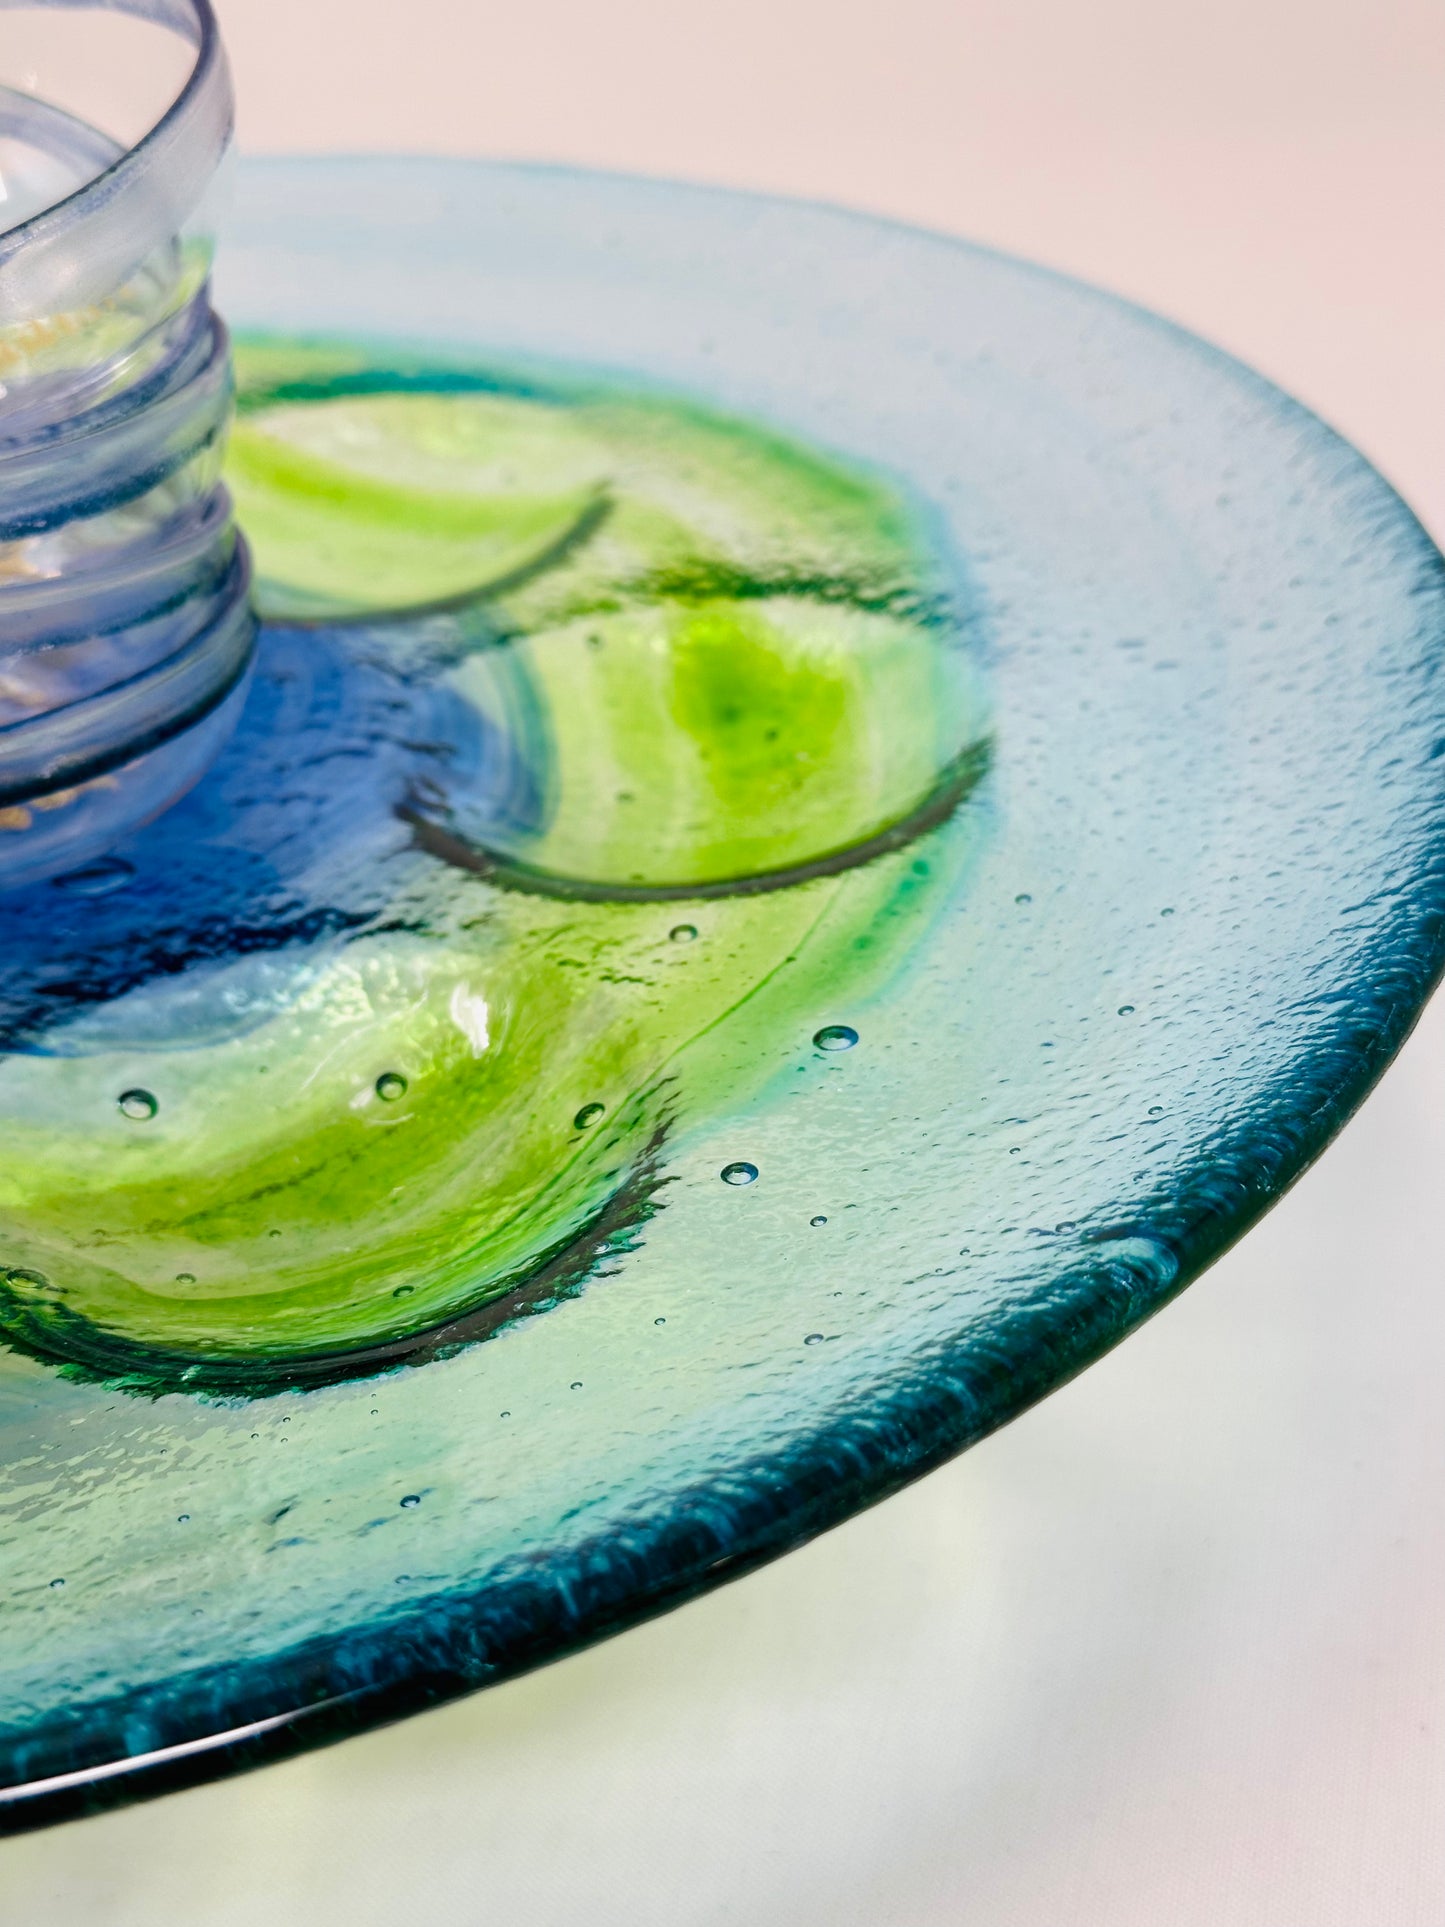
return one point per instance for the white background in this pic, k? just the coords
(1172, 1648)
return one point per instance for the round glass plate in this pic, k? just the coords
(986, 1083)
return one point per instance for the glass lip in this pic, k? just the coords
(85, 245)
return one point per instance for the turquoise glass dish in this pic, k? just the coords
(1182, 912)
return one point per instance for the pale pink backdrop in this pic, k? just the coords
(1170, 1650)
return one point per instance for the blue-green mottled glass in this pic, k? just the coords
(1186, 915)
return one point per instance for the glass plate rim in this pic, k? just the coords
(245, 1714)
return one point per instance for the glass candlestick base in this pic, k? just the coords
(125, 627)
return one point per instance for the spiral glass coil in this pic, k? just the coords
(125, 630)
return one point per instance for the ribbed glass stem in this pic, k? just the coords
(125, 629)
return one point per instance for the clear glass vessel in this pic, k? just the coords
(125, 629)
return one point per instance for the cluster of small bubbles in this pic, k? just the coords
(588, 1114)
(185, 1277)
(403, 1291)
(1126, 1010)
(815, 1222)
(138, 1104)
(835, 1037)
(411, 1501)
(683, 932)
(390, 1086)
(1023, 897)
(813, 1338)
(96, 879)
(739, 1173)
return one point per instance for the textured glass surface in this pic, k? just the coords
(392, 1025)
(1153, 953)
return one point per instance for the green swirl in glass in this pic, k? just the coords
(725, 664)
(1190, 906)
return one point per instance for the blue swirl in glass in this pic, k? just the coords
(1182, 914)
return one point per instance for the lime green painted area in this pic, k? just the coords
(697, 741)
(717, 643)
(332, 537)
(276, 1205)
(355, 495)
